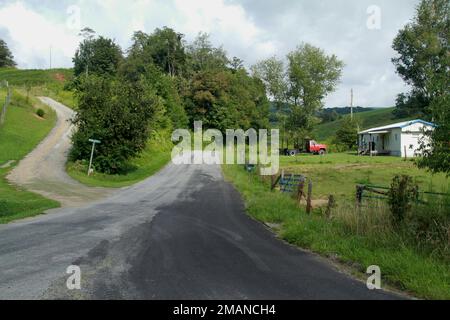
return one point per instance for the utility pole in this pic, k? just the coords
(50, 57)
(351, 103)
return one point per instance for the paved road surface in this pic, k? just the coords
(181, 234)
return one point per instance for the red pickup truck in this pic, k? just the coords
(311, 147)
(316, 148)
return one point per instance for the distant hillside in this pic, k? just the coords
(41, 82)
(368, 119)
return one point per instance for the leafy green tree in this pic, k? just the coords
(347, 134)
(312, 75)
(6, 57)
(272, 74)
(423, 56)
(203, 56)
(436, 150)
(97, 55)
(140, 64)
(164, 47)
(236, 64)
(117, 112)
(423, 62)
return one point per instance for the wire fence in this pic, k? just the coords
(6, 102)
(382, 193)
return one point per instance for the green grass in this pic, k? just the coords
(155, 156)
(20, 134)
(368, 119)
(355, 238)
(338, 173)
(48, 83)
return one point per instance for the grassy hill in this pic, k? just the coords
(48, 83)
(368, 119)
(21, 132)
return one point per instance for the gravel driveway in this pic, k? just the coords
(43, 170)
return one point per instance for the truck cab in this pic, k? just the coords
(313, 147)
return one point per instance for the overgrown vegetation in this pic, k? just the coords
(21, 132)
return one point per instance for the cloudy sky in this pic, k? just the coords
(360, 32)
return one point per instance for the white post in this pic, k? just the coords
(92, 157)
(90, 170)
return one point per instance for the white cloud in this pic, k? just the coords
(249, 29)
(33, 35)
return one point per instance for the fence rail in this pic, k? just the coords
(382, 193)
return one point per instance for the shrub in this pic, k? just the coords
(40, 112)
(401, 195)
(119, 114)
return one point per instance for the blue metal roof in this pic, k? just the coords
(419, 121)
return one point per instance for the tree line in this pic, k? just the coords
(162, 81)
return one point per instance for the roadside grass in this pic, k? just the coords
(155, 156)
(338, 173)
(355, 238)
(49, 83)
(21, 133)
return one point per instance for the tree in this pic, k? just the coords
(97, 55)
(117, 112)
(312, 75)
(423, 55)
(203, 56)
(6, 57)
(423, 62)
(164, 47)
(272, 74)
(436, 150)
(347, 134)
(140, 64)
(236, 64)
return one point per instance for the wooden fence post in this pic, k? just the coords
(300, 192)
(274, 181)
(309, 199)
(359, 194)
(331, 205)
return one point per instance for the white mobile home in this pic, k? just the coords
(399, 139)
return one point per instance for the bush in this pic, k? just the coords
(401, 195)
(119, 114)
(40, 112)
(429, 226)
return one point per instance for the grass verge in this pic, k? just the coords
(49, 83)
(402, 266)
(20, 134)
(155, 156)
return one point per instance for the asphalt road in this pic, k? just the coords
(181, 234)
